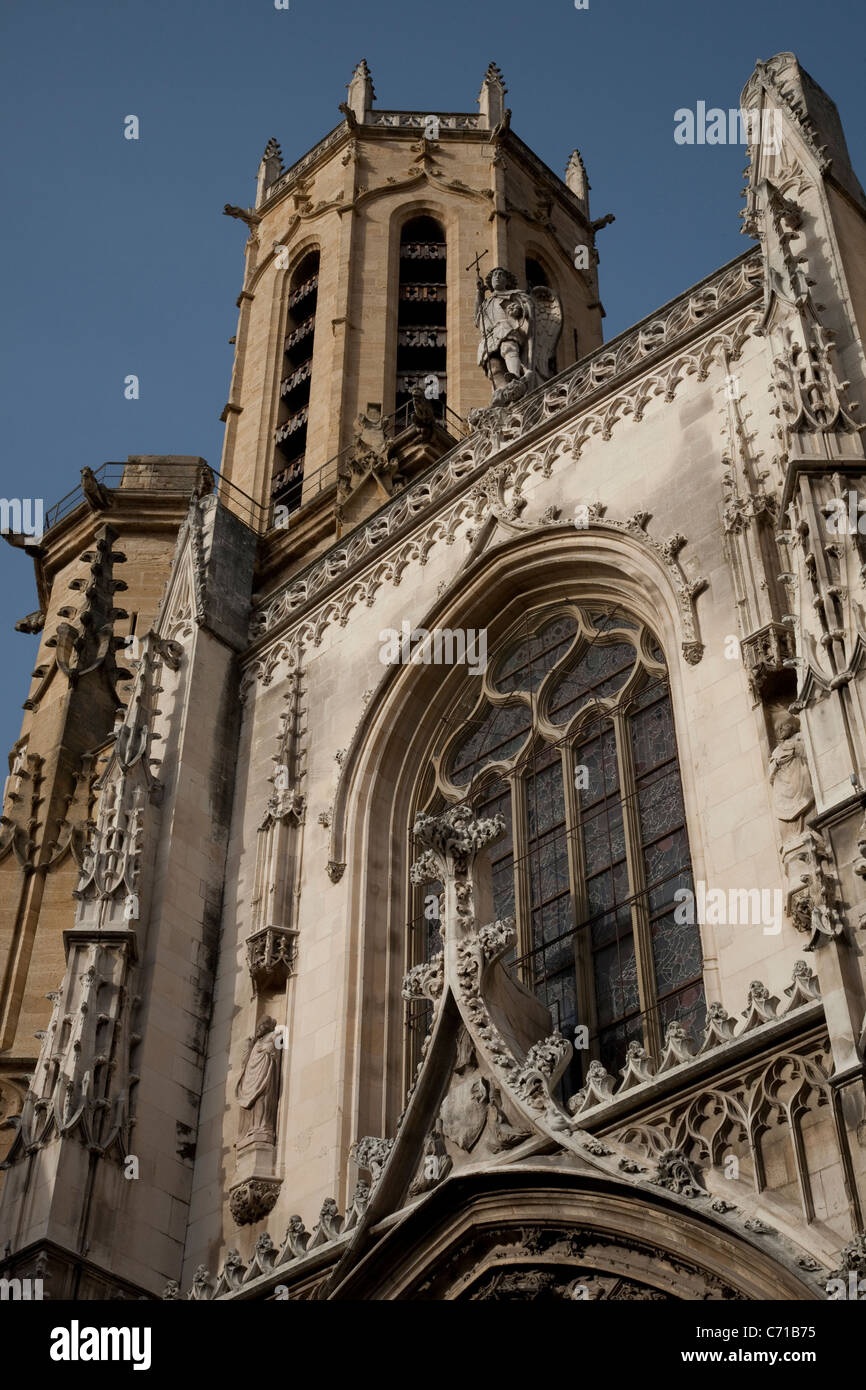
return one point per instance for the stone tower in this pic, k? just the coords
(359, 286)
(468, 858)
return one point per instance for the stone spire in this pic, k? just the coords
(361, 94)
(491, 98)
(270, 167)
(576, 180)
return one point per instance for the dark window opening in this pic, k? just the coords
(291, 433)
(422, 349)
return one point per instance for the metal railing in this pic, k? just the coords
(122, 477)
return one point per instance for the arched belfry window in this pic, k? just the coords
(570, 735)
(422, 351)
(291, 435)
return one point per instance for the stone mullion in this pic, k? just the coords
(637, 885)
(522, 881)
(586, 1010)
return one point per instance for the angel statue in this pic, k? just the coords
(519, 333)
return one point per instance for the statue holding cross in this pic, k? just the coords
(519, 332)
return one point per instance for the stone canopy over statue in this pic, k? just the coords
(519, 333)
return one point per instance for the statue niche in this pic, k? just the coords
(519, 333)
(258, 1088)
(789, 778)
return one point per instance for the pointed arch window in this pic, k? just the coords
(572, 739)
(422, 345)
(291, 434)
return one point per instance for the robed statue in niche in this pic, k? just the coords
(258, 1088)
(519, 333)
(789, 777)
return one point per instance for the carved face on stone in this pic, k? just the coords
(267, 1025)
(788, 728)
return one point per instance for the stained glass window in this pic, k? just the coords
(590, 874)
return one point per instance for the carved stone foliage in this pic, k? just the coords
(564, 1263)
(253, 1199)
(527, 1282)
(595, 375)
(371, 1155)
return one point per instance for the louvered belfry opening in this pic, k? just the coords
(291, 436)
(422, 351)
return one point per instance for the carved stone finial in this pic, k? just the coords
(329, 1226)
(455, 836)
(371, 1155)
(577, 181)
(638, 1067)
(360, 92)
(803, 988)
(678, 1047)
(719, 1029)
(82, 648)
(295, 1243)
(491, 98)
(597, 1090)
(760, 1006)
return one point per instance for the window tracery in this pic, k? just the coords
(571, 738)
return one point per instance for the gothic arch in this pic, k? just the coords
(554, 1232)
(441, 210)
(388, 755)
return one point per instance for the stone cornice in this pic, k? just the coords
(590, 383)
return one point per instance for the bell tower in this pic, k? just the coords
(357, 350)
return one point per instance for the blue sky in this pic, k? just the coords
(116, 256)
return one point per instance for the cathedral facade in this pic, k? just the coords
(434, 858)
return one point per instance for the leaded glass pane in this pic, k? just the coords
(499, 734)
(605, 621)
(616, 991)
(498, 802)
(688, 1007)
(526, 666)
(599, 673)
(660, 803)
(676, 952)
(652, 735)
